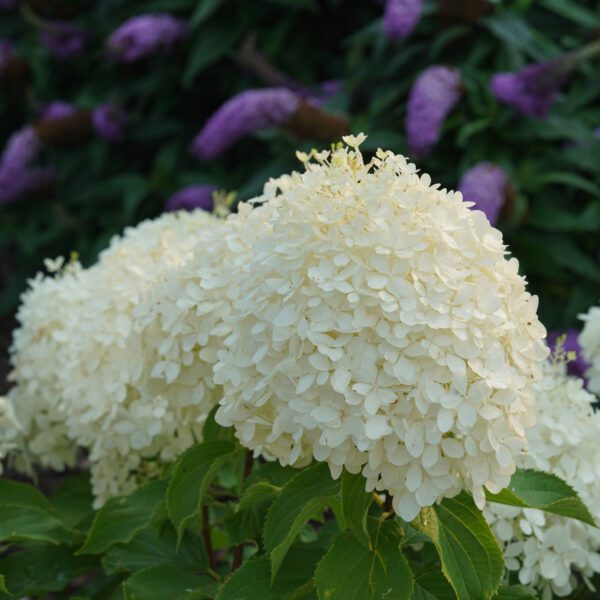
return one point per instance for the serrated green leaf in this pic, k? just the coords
(471, 559)
(350, 571)
(298, 501)
(20, 523)
(40, 570)
(534, 489)
(191, 478)
(252, 581)
(73, 500)
(515, 592)
(156, 545)
(257, 493)
(22, 494)
(355, 505)
(295, 577)
(121, 518)
(161, 582)
(432, 585)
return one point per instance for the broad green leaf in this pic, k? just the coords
(153, 546)
(20, 523)
(257, 493)
(295, 577)
(72, 501)
(252, 581)
(515, 592)
(355, 505)
(535, 489)
(162, 582)
(22, 494)
(3, 588)
(212, 431)
(120, 518)
(350, 571)
(42, 569)
(191, 478)
(299, 500)
(471, 559)
(432, 585)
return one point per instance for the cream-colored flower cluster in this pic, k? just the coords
(360, 316)
(551, 552)
(380, 328)
(81, 367)
(589, 340)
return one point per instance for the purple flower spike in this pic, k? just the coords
(401, 17)
(144, 35)
(109, 122)
(8, 4)
(434, 94)
(57, 109)
(192, 197)
(486, 185)
(579, 365)
(531, 91)
(63, 39)
(243, 114)
(21, 149)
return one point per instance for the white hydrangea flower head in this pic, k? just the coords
(11, 431)
(589, 340)
(380, 327)
(48, 312)
(548, 551)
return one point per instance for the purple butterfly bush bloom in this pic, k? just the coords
(434, 94)
(63, 39)
(533, 90)
(401, 17)
(16, 177)
(486, 185)
(143, 35)
(241, 115)
(579, 365)
(109, 122)
(192, 197)
(57, 109)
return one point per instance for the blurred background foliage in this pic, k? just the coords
(551, 223)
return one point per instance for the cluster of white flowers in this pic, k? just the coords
(589, 340)
(380, 328)
(81, 368)
(549, 550)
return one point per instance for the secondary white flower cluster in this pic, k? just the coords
(380, 328)
(589, 340)
(548, 550)
(82, 371)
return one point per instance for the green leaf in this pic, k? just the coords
(257, 493)
(3, 588)
(471, 559)
(252, 581)
(191, 478)
(432, 585)
(212, 431)
(20, 523)
(515, 592)
(40, 570)
(212, 45)
(573, 11)
(350, 571)
(22, 494)
(159, 583)
(203, 11)
(355, 506)
(120, 518)
(570, 180)
(153, 546)
(72, 501)
(299, 500)
(535, 489)
(295, 577)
